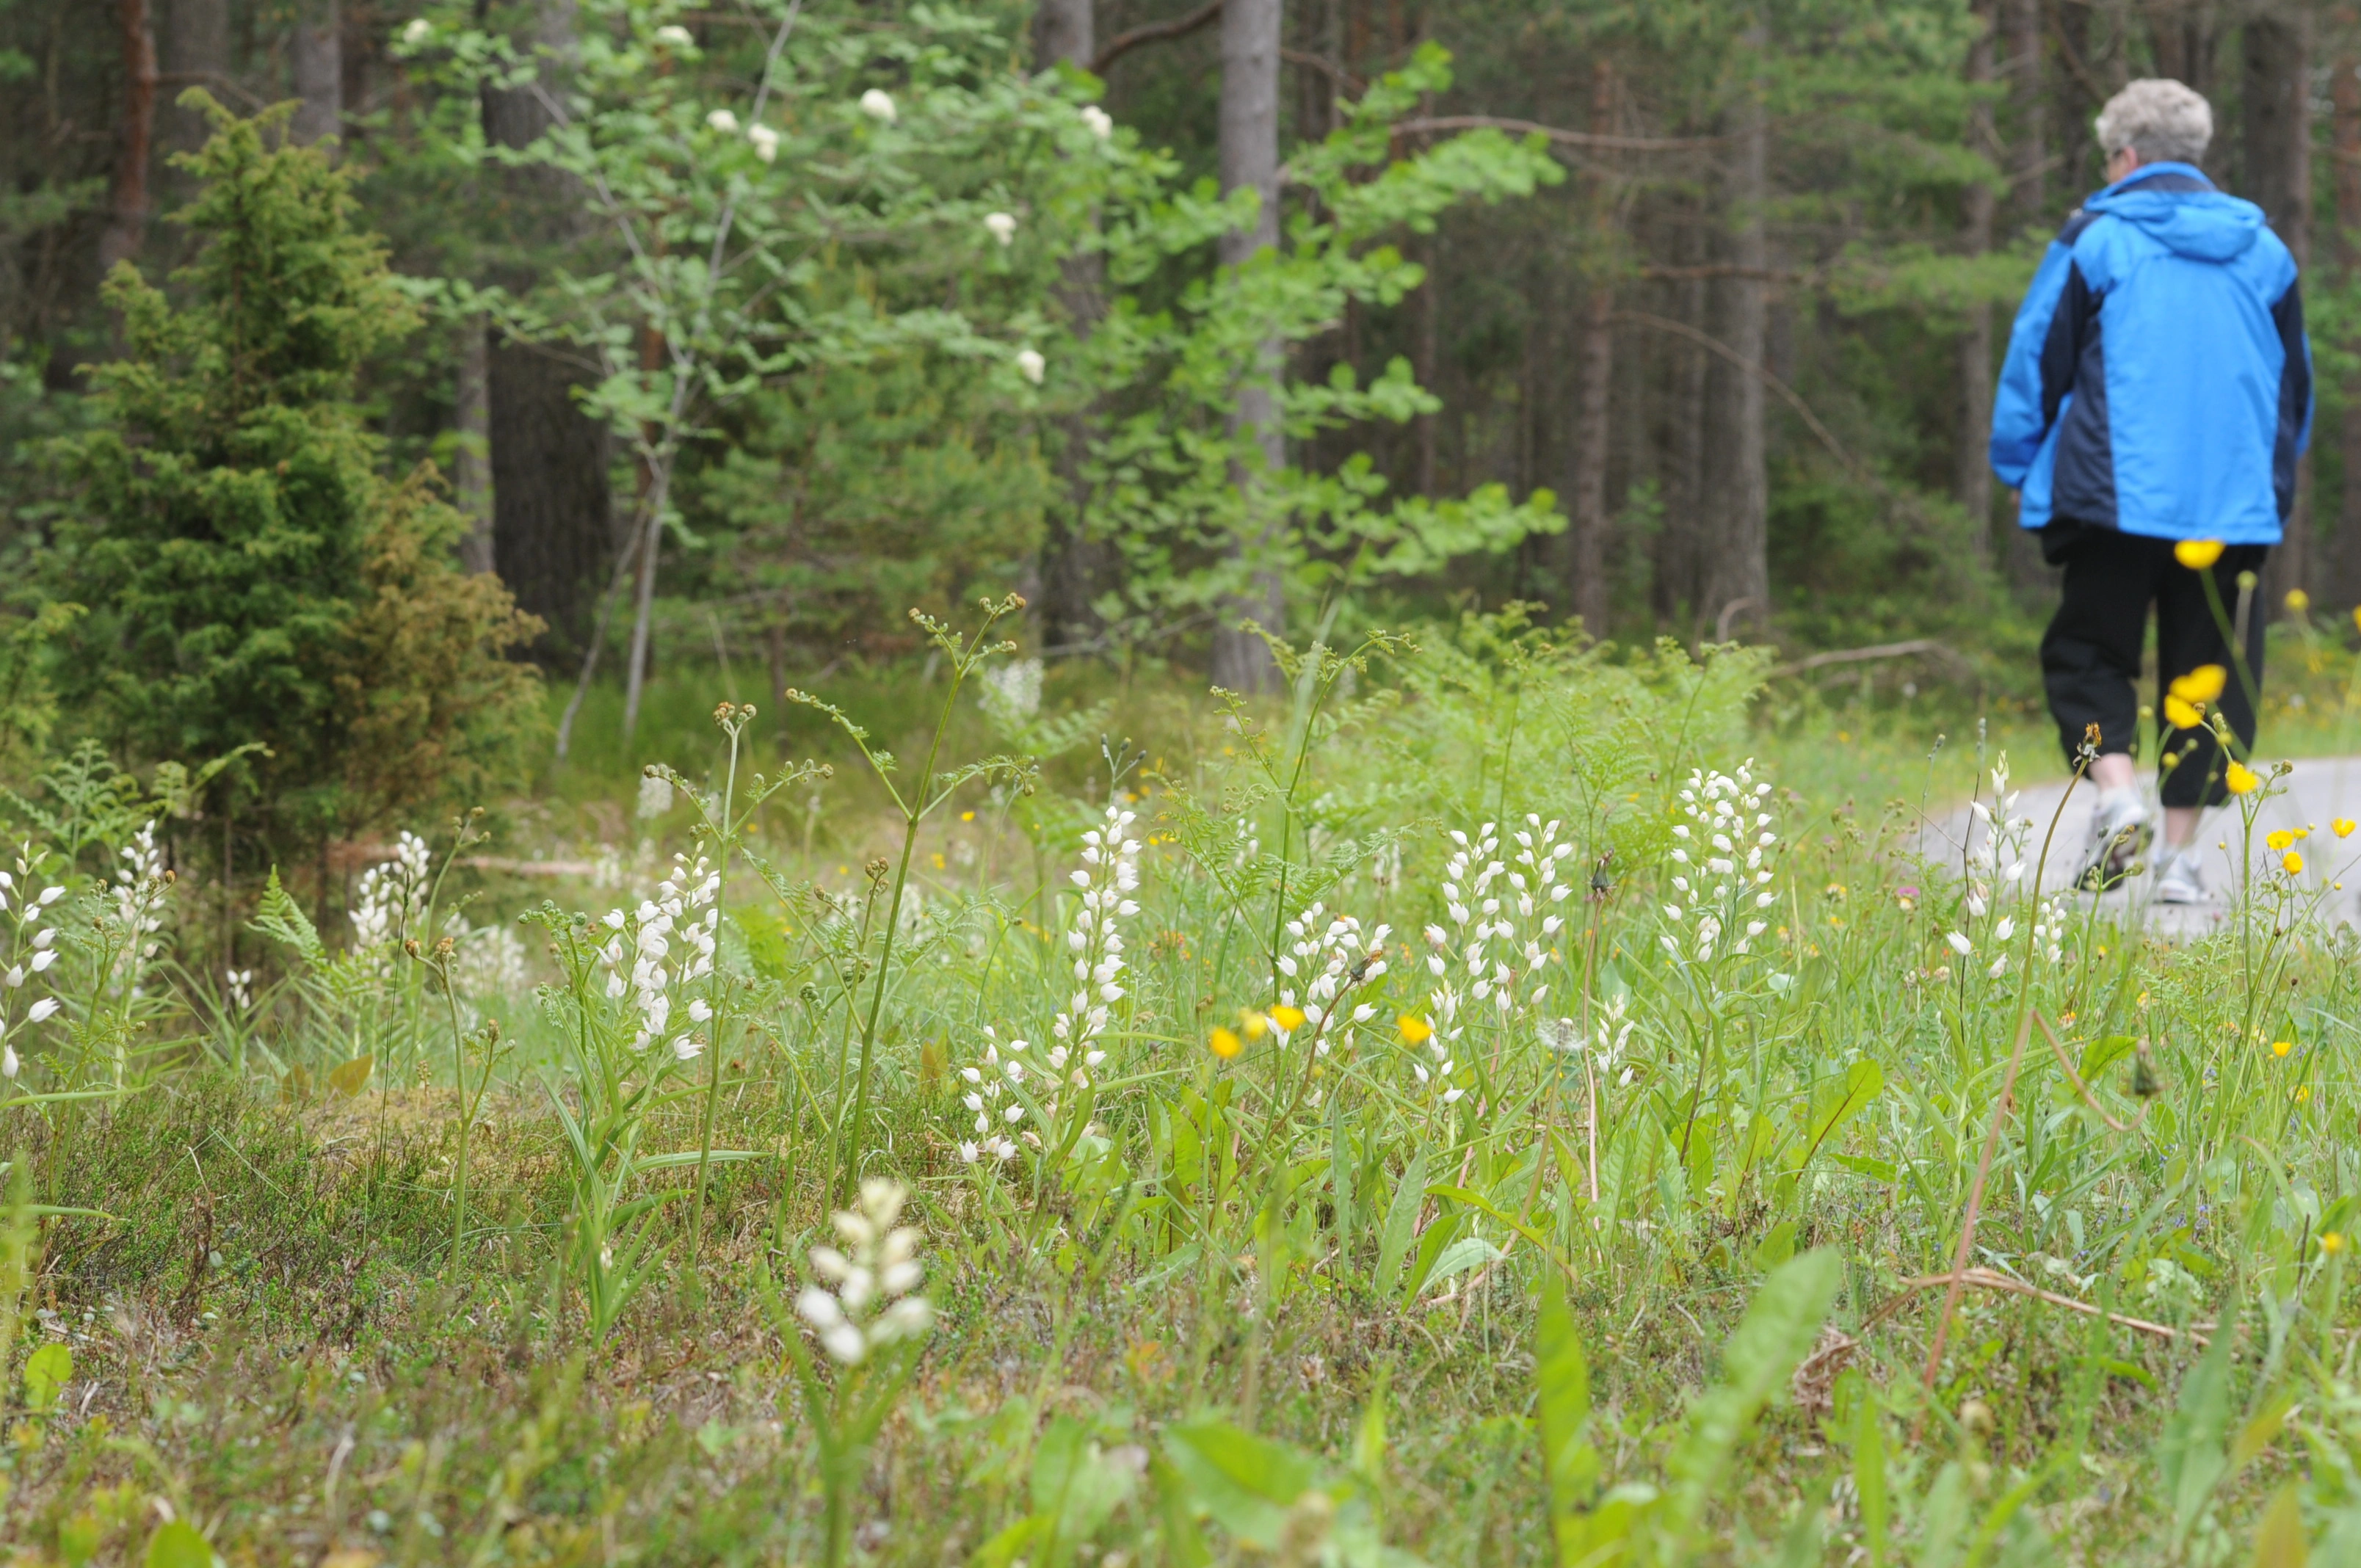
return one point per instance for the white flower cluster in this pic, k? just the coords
(1099, 123)
(2048, 938)
(240, 984)
(640, 959)
(391, 895)
(1485, 898)
(1339, 959)
(868, 1300)
(17, 897)
(139, 888)
(1610, 1036)
(1997, 862)
(1010, 694)
(655, 795)
(766, 139)
(1731, 833)
(492, 959)
(1107, 878)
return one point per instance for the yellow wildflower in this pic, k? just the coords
(2280, 839)
(2204, 684)
(1255, 1025)
(2281, 1048)
(2344, 827)
(1227, 1045)
(2180, 715)
(2242, 779)
(2297, 602)
(2293, 862)
(2197, 553)
(1287, 1019)
(2330, 1241)
(1417, 1031)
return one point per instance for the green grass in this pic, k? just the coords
(1271, 1305)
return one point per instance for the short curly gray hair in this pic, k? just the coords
(2162, 120)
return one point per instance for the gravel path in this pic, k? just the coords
(2319, 791)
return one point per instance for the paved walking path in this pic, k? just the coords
(2319, 791)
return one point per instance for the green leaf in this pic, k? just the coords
(1569, 1465)
(46, 1370)
(1246, 1483)
(2279, 1540)
(1864, 1082)
(1401, 1221)
(1467, 1253)
(1777, 1332)
(2189, 1452)
(178, 1545)
(283, 919)
(1869, 1474)
(351, 1078)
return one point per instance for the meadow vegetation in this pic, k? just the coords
(1471, 1110)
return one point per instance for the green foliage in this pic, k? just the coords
(250, 577)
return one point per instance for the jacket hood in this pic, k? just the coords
(2200, 223)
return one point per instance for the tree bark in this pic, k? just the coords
(1737, 565)
(319, 51)
(2277, 137)
(1588, 588)
(196, 54)
(1973, 468)
(1075, 569)
(1248, 156)
(126, 223)
(1680, 547)
(553, 524)
(2345, 94)
(471, 472)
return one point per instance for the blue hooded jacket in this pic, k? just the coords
(2159, 379)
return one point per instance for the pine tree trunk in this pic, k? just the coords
(553, 524)
(471, 473)
(1588, 590)
(1974, 469)
(1737, 564)
(196, 54)
(127, 205)
(2028, 168)
(319, 51)
(1248, 155)
(2344, 95)
(1075, 569)
(1680, 547)
(2278, 136)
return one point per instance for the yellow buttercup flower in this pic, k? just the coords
(2197, 553)
(2204, 684)
(1255, 1025)
(2344, 827)
(2280, 839)
(1227, 1045)
(2242, 779)
(2293, 862)
(2331, 1241)
(2180, 715)
(1417, 1031)
(2281, 1048)
(1287, 1019)
(2297, 602)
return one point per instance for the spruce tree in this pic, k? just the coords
(251, 573)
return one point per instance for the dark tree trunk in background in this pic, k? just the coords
(552, 514)
(319, 53)
(1588, 590)
(1251, 31)
(1974, 471)
(2344, 94)
(1737, 566)
(1680, 547)
(2278, 147)
(135, 135)
(471, 473)
(1075, 569)
(2029, 208)
(196, 54)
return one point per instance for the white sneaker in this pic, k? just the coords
(2121, 830)
(2179, 878)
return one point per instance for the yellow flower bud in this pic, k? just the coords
(2197, 553)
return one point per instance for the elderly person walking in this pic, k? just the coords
(2157, 392)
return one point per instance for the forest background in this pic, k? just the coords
(1710, 356)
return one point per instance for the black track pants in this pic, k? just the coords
(2090, 654)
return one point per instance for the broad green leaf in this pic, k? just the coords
(1777, 1332)
(2189, 1450)
(351, 1078)
(46, 1370)
(1246, 1483)
(1402, 1221)
(2279, 1540)
(178, 1545)
(1869, 1474)
(1185, 1544)
(1864, 1082)
(1569, 1465)
(1369, 1441)
(1430, 1247)
(1467, 1253)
